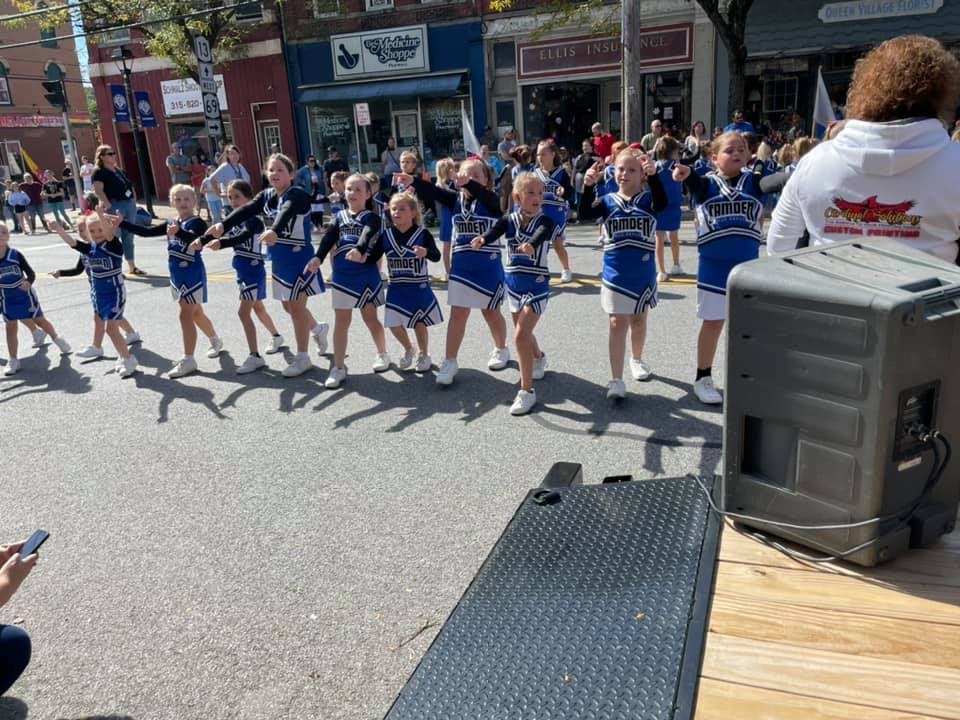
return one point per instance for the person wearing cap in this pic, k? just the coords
(739, 124)
(650, 139)
(333, 163)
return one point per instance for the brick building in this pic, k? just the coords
(30, 128)
(415, 63)
(254, 96)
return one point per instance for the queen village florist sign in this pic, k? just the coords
(382, 52)
(876, 10)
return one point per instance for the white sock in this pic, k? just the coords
(317, 329)
(188, 357)
(303, 356)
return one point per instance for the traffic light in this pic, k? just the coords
(56, 93)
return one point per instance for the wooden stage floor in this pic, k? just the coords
(804, 642)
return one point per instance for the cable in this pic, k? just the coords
(902, 516)
(43, 11)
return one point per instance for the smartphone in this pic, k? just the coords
(33, 543)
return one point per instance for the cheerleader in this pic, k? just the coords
(188, 276)
(102, 258)
(287, 207)
(410, 300)
(730, 216)
(557, 190)
(18, 300)
(629, 273)
(354, 239)
(667, 152)
(248, 263)
(446, 178)
(528, 231)
(476, 276)
(337, 182)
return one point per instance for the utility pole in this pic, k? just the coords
(57, 96)
(632, 104)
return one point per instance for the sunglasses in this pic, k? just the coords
(110, 152)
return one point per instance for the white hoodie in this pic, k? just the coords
(897, 179)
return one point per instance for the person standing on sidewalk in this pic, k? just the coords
(116, 194)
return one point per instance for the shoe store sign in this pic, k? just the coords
(876, 10)
(382, 52)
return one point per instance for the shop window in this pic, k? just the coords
(442, 130)
(5, 97)
(563, 112)
(506, 114)
(47, 35)
(333, 126)
(504, 57)
(779, 95)
(192, 135)
(113, 37)
(325, 8)
(248, 11)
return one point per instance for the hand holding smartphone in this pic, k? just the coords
(33, 543)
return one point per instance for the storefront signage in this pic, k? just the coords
(663, 46)
(400, 50)
(876, 10)
(332, 125)
(183, 97)
(31, 121)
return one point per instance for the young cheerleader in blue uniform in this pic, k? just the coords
(411, 303)
(286, 208)
(629, 274)
(667, 153)
(557, 190)
(529, 232)
(476, 276)
(188, 277)
(354, 239)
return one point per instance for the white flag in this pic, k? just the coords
(822, 109)
(470, 141)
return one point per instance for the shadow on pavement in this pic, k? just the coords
(12, 709)
(170, 389)
(39, 374)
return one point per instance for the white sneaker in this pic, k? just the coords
(499, 358)
(126, 368)
(90, 352)
(707, 392)
(298, 366)
(319, 332)
(216, 347)
(424, 363)
(251, 364)
(616, 390)
(640, 370)
(565, 277)
(38, 337)
(406, 362)
(275, 345)
(132, 337)
(662, 277)
(539, 367)
(382, 363)
(61, 342)
(13, 364)
(335, 377)
(524, 402)
(186, 366)
(448, 371)
(676, 270)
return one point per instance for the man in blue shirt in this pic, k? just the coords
(739, 124)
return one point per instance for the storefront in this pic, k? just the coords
(789, 42)
(557, 87)
(416, 81)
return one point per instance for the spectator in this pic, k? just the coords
(179, 165)
(14, 642)
(310, 178)
(488, 137)
(739, 124)
(648, 141)
(892, 170)
(34, 191)
(602, 142)
(53, 192)
(67, 177)
(796, 127)
(333, 163)
(390, 159)
(212, 197)
(697, 137)
(115, 193)
(229, 170)
(583, 162)
(494, 161)
(16, 201)
(508, 143)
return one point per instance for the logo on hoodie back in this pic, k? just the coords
(872, 218)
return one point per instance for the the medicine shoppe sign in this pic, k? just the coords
(660, 47)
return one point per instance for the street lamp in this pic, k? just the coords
(125, 57)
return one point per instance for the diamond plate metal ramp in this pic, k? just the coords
(592, 605)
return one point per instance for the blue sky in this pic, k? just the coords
(82, 55)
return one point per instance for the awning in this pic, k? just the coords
(423, 86)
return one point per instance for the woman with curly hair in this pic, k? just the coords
(892, 171)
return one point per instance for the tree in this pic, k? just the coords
(91, 98)
(165, 30)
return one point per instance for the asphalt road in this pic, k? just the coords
(229, 546)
